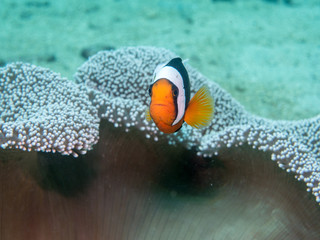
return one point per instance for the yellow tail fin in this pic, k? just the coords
(148, 116)
(200, 110)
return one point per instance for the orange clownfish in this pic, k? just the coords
(170, 104)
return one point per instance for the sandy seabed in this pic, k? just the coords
(265, 53)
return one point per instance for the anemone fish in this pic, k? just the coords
(170, 104)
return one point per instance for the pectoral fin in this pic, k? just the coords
(148, 116)
(200, 110)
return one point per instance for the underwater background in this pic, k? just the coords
(264, 52)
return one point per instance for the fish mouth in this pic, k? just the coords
(160, 104)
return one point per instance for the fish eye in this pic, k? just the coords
(175, 92)
(150, 91)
